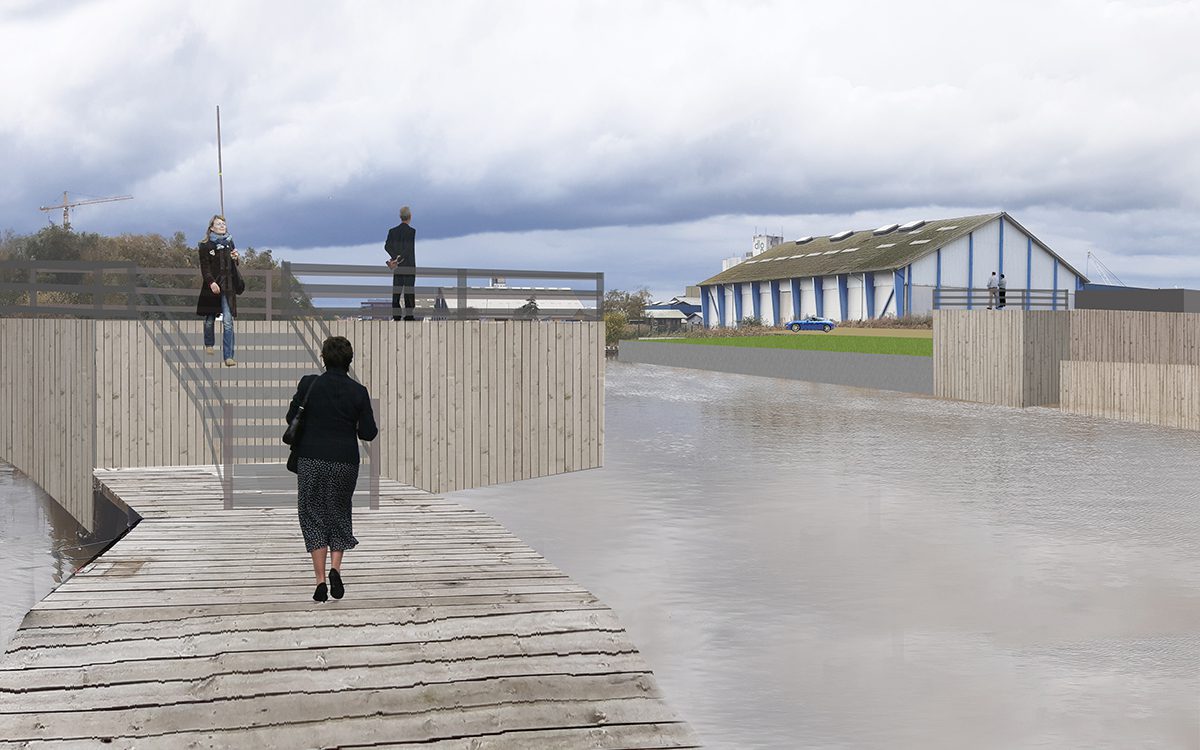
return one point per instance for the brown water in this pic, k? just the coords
(43, 545)
(810, 566)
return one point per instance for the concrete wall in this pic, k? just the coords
(879, 371)
(1151, 300)
(462, 404)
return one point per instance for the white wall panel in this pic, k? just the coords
(987, 252)
(922, 299)
(1043, 269)
(1016, 245)
(954, 263)
(764, 297)
(924, 270)
(808, 299)
(883, 290)
(785, 301)
(833, 302)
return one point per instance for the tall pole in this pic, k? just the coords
(220, 176)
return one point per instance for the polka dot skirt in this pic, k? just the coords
(325, 489)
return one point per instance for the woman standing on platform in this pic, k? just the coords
(222, 284)
(337, 413)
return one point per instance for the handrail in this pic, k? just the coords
(108, 289)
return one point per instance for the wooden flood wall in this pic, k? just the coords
(1127, 365)
(1134, 366)
(462, 404)
(1003, 357)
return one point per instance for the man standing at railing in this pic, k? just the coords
(1003, 288)
(401, 247)
(992, 287)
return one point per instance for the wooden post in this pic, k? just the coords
(227, 454)
(270, 273)
(373, 457)
(33, 288)
(462, 295)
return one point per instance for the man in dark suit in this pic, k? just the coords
(401, 247)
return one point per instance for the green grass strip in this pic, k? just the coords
(913, 347)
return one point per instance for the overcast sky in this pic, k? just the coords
(647, 140)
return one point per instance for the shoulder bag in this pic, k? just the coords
(295, 428)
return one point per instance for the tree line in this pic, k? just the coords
(146, 251)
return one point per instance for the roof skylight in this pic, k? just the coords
(830, 252)
(912, 225)
(890, 244)
(918, 242)
(840, 235)
(947, 229)
(802, 240)
(886, 228)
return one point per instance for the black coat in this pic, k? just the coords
(217, 265)
(337, 416)
(401, 245)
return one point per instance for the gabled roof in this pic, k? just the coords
(859, 252)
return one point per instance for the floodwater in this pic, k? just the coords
(43, 545)
(813, 566)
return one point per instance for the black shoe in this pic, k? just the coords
(336, 589)
(319, 595)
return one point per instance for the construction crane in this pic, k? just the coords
(1104, 272)
(67, 205)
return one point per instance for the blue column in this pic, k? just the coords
(970, 266)
(908, 289)
(1028, 270)
(795, 299)
(705, 305)
(756, 298)
(737, 304)
(1054, 300)
(820, 296)
(898, 292)
(720, 305)
(1001, 270)
(775, 302)
(843, 295)
(869, 290)
(937, 287)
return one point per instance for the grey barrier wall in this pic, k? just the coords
(1148, 300)
(888, 372)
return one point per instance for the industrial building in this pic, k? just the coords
(895, 270)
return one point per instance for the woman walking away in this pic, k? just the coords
(337, 414)
(222, 284)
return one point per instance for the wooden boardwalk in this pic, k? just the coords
(198, 630)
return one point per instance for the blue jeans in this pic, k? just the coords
(210, 322)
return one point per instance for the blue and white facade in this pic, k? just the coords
(895, 270)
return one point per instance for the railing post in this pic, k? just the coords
(97, 289)
(227, 454)
(600, 296)
(33, 288)
(285, 287)
(462, 295)
(373, 456)
(270, 273)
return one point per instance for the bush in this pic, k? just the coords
(614, 327)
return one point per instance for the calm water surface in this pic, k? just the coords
(811, 566)
(43, 545)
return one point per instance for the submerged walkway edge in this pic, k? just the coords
(197, 630)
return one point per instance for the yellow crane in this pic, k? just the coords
(67, 205)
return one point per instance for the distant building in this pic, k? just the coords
(895, 270)
(759, 244)
(676, 312)
(497, 300)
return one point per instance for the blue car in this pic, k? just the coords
(811, 323)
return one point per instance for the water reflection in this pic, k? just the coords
(823, 567)
(44, 545)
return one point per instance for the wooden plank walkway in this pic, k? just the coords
(198, 630)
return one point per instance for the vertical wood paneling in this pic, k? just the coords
(463, 404)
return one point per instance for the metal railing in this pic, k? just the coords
(37, 288)
(962, 298)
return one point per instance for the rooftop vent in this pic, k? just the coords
(802, 240)
(912, 225)
(840, 235)
(886, 228)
